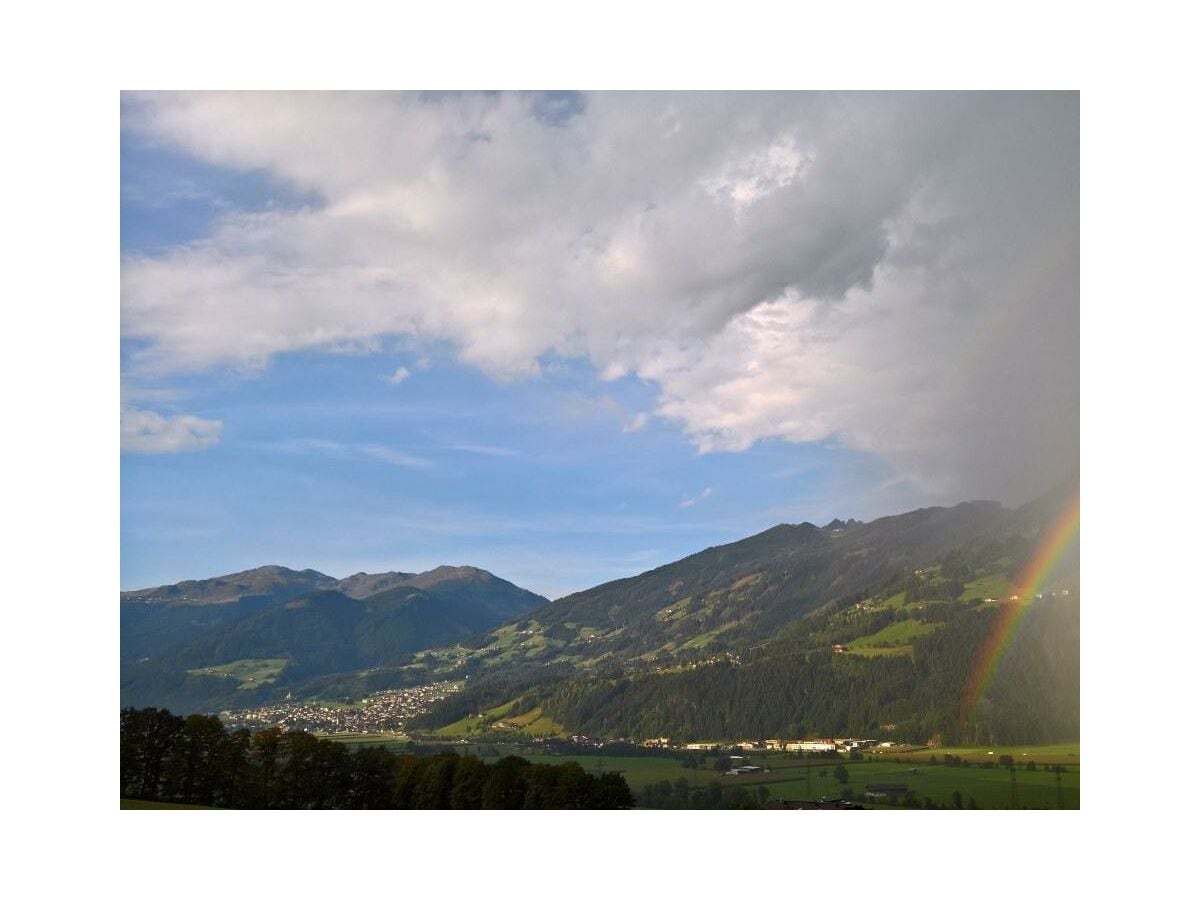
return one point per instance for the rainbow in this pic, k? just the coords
(1050, 549)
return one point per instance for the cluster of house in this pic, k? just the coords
(810, 745)
(383, 711)
(727, 657)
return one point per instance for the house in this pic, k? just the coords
(774, 744)
(820, 745)
(839, 648)
(745, 770)
(701, 746)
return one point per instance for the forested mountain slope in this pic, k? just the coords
(189, 657)
(872, 628)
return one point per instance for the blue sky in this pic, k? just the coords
(363, 332)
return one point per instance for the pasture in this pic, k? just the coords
(250, 673)
(792, 778)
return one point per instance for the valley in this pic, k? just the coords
(871, 629)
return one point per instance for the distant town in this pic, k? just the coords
(378, 713)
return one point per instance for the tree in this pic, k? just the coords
(147, 737)
(841, 774)
(264, 752)
(505, 787)
(681, 793)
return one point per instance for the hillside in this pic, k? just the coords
(199, 656)
(723, 599)
(740, 640)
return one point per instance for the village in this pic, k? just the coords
(377, 713)
(810, 745)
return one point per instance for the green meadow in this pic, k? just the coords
(250, 673)
(792, 778)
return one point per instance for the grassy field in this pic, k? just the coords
(638, 771)
(895, 635)
(989, 788)
(533, 723)
(250, 673)
(995, 586)
(383, 738)
(1065, 754)
(791, 778)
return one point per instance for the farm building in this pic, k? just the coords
(819, 745)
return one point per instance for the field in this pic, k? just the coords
(1066, 754)
(791, 778)
(995, 586)
(532, 723)
(250, 673)
(382, 739)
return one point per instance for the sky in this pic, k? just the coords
(571, 337)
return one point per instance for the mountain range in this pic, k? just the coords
(867, 627)
(195, 645)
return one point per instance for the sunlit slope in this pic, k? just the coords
(871, 628)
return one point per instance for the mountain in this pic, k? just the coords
(362, 585)
(739, 640)
(724, 598)
(158, 618)
(202, 655)
(268, 582)
(877, 629)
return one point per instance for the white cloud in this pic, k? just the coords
(894, 272)
(145, 431)
(483, 449)
(692, 501)
(350, 451)
(398, 376)
(636, 423)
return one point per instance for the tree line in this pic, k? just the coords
(197, 761)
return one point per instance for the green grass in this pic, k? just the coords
(533, 723)
(381, 738)
(638, 771)
(1067, 754)
(896, 601)
(897, 634)
(703, 640)
(536, 724)
(990, 788)
(994, 586)
(788, 778)
(502, 710)
(250, 673)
